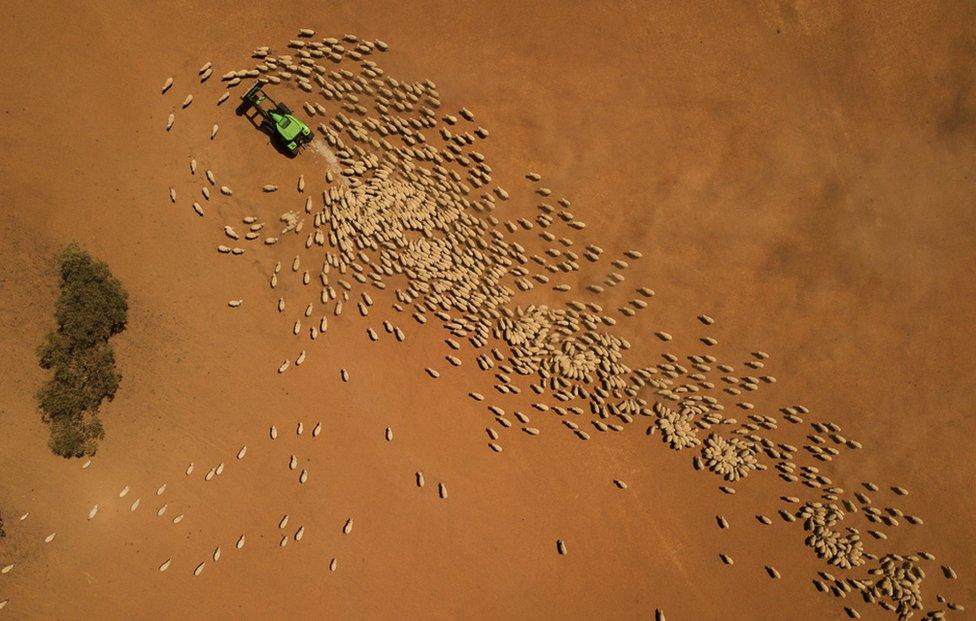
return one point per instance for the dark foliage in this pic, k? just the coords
(92, 307)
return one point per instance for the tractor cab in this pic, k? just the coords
(278, 120)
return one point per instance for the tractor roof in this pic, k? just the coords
(288, 126)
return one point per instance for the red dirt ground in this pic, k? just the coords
(801, 172)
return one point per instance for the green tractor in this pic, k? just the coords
(278, 120)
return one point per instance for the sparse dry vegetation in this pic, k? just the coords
(92, 306)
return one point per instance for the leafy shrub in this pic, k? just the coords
(92, 307)
(75, 438)
(82, 378)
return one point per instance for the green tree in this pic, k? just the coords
(83, 377)
(92, 307)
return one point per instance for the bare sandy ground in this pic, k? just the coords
(803, 174)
